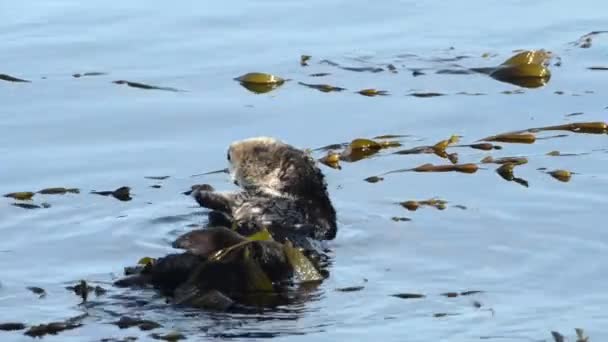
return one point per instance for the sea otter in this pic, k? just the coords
(283, 191)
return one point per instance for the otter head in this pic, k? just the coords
(255, 163)
(268, 165)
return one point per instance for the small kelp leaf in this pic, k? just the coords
(578, 127)
(408, 295)
(505, 160)
(123, 193)
(441, 146)
(350, 289)
(260, 88)
(171, 337)
(561, 175)
(262, 235)
(400, 219)
(21, 195)
(304, 60)
(157, 177)
(423, 95)
(482, 146)
(31, 206)
(320, 74)
(58, 191)
(145, 86)
(374, 179)
(304, 270)
(372, 92)
(414, 205)
(12, 326)
(463, 168)
(331, 159)
(38, 291)
(9, 78)
(527, 76)
(523, 138)
(257, 279)
(51, 328)
(506, 172)
(359, 149)
(94, 73)
(259, 78)
(326, 88)
(126, 322)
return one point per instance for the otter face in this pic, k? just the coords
(255, 163)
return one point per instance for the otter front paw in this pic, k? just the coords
(213, 200)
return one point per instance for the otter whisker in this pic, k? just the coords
(212, 172)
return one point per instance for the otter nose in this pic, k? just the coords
(236, 182)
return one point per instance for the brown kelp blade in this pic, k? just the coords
(523, 138)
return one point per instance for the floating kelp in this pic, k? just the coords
(561, 175)
(355, 69)
(9, 78)
(331, 159)
(560, 154)
(21, 195)
(58, 191)
(400, 219)
(78, 75)
(157, 177)
(430, 94)
(171, 337)
(320, 74)
(598, 68)
(373, 179)
(304, 60)
(38, 291)
(123, 193)
(414, 205)
(12, 326)
(408, 295)
(326, 88)
(525, 138)
(156, 186)
(32, 206)
(439, 149)
(83, 289)
(463, 168)
(145, 86)
(303, 269)
(362, 148)
(506, 172)
(597, 127)
(391, 136)
(259, 82)
(55, 327)
(482, 146)
(372, 92)
(574, 114)
(350, 289)
(445, 314)
(126, 322)
(586, 40)
(526, 69)
(505, 160)
(392, 68)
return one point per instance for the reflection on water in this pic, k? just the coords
(535, 250)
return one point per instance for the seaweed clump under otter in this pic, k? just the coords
(260, 240)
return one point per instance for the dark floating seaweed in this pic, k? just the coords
(372, 92)
(21, 195)
(506, 172)
(600, 68)
(259, 82)
(304, 60)
(172, 336)
(37, 290)
(320, 74)
(12, 326)
(126, 322)
(123, 193)
(586, 40)
(9, 78)
(58, 191)
(355, 69)
(157, 177)
(32, 206)
(145, 86)
(408, 295)
(350, 289)
(426, 94)
(94, 73)
(326, 88)
(54, 328)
